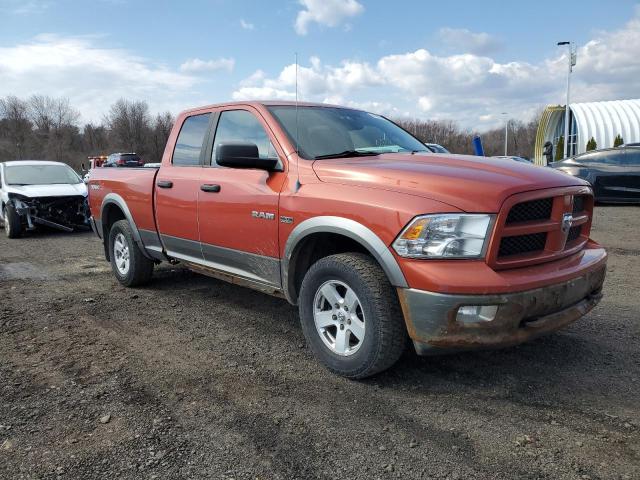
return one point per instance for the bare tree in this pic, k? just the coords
(159, 135)
(16, 126)
(95, 139)
(129, 125)
(447, 133)
(55, 121)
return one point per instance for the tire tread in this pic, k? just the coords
(392, 330)
(141, 268)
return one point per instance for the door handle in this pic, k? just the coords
(164, 183)
(210, 188)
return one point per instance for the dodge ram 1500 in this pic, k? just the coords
(350, 217)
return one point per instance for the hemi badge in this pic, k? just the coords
(284, 219)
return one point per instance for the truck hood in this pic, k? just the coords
(472, 184)
(56, 190)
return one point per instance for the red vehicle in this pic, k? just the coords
(347, 215)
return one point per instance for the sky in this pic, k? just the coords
(466, 61)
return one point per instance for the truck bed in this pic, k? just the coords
(133, 184)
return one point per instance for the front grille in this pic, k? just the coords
(530, 211)
(578, 203)
(522, 244)
(574, 233)
(529, 227)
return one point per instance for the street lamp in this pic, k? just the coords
(506, 133)
(572, 62)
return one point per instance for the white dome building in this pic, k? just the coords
(602, 121)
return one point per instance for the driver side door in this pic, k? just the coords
(238, 208)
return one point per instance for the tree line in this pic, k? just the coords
(521, 136)
(47, 128)
(43, 127)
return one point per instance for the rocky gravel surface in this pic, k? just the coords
(192, 378)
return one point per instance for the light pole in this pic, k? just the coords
(506, 133)
(572, 62)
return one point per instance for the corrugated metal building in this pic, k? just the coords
(601, 120)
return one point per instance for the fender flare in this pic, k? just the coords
(117, 200)
(342, 226)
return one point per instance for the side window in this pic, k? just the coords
(242, 126)
(613, 157)
(190, 140)
(589, 157)
(633, 156)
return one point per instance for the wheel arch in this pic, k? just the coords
(114, 208)
(354, 233)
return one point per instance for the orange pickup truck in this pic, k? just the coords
(350, 217)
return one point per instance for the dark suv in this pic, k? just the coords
(123, 160)
(614, 173)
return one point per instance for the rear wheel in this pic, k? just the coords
(11, 221)
(350, 315)
(128, 263)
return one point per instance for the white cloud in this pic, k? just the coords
(246, 25)
(330, 13)
(24, 7)
(195, 65)
(92, 77)
(467, 87)
(463, 40)
(313, 82)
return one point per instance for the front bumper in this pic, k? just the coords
(432, 324)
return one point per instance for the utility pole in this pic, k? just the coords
(572, 62)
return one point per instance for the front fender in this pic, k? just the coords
(342, 226)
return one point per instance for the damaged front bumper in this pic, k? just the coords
(62, 213)
(436, 326)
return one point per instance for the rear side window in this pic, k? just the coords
(190, 140)
(242, 126)
(633, 156)
(614, 157)
(588, 157)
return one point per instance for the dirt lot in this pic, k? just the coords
(193, 378)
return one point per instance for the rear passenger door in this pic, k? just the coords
(238, 208)
(177, 187)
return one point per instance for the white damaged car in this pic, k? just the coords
(44, 193)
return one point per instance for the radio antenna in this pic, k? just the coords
(297, 187)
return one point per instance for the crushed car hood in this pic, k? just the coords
(472, 184)
(57, 190)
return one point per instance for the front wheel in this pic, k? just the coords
(11, 221)
(128, 263)
(350, 315)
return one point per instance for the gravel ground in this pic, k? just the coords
(190, 377)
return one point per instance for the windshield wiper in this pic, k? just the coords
(346, 154)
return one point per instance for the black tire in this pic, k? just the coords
(140, 268)
(12, 223)
(385, 335)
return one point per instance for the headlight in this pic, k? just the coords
(444, 236)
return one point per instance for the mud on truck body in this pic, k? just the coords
(41, 193)
(377, 240)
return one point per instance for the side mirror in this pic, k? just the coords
(82, 167)
(243, 155)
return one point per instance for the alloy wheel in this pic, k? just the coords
(339, 317)
(121, 254)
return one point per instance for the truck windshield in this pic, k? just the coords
(40, 175)
(329, 132)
